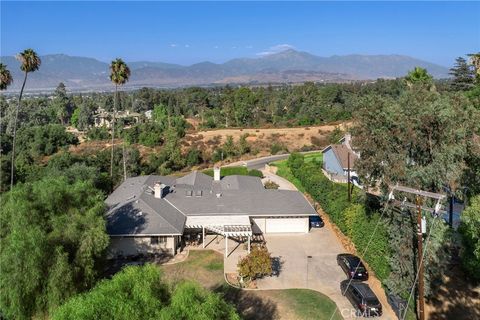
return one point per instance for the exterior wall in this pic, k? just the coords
(330, 162)
(130, 246)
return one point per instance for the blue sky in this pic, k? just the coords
(190, 32)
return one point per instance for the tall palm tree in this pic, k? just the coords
(119, 74)
(5, 80)
(5, 77)
(475, 61)
(29, 62)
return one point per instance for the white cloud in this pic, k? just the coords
(276, 49)
(173, 45)
(187, 46)
(248, 47)
(215, 47)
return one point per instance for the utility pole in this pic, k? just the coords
(419, 195)
(450, 210)
(421, 296)
(348, 177)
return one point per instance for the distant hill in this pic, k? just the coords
(290, 66)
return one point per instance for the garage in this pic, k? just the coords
(280, 225)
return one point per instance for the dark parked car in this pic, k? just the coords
(361, 297)
(398, 305)
(352, 266)
(316, 222)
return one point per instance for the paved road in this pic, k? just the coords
(260, 163)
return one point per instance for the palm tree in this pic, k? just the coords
(5, 80)
(119, 74)
(29, 62)
(5, 77)
(418, 75)
(475, 61)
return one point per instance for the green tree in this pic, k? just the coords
(52, 233)
(470, 231)
(257, 264)
(5, 77)
(29, 62)
(61, 104)
(463, 75)
(229, 147)
(475, 60)
(191, 302)
(420, 139)
(418, 76)
(243, 145)
(141, 293)
(119, 75)
(5, 80)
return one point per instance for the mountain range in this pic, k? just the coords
(290, 66)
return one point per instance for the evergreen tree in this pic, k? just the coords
(463, 75)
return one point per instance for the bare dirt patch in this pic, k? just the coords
(261, 139)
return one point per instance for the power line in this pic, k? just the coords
(421, 263)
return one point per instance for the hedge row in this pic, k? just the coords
(353, 218)
(229, 171)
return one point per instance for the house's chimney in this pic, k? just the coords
(348, 140)
(216, 173)
(158, 190)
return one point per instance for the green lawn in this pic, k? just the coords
(285, 172)
(309, 304)
(206, 267)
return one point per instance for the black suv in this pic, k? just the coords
(352, 266)
(316, 222)
(362, 298)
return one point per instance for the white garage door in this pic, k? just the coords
(286, 225)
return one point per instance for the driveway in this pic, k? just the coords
(309, 261)
(283, 184)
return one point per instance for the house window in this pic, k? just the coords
(158, 240)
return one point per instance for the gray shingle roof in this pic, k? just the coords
(133, 209)
(197, 180)
(253, 203)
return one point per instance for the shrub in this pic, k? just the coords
(98, 133)
(277, 147)
(271, 185)
(141, 293)
(255, 173)
(469, 229)
(296, 160)
(194, 157)
(230, 171)
(257, 264)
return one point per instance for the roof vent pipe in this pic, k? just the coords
(216, 173)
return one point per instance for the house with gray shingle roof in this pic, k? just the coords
(153, 214)
(338, 159)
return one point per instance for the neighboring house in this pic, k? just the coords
(149, 114)
(104, 118)
(336, 160)
(151, 214)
